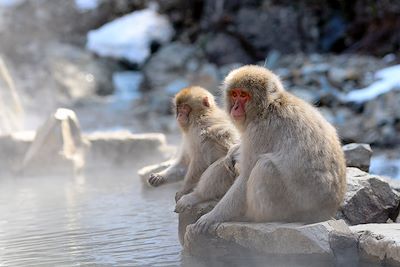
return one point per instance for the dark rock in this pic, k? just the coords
(223, 49)
(369, 199)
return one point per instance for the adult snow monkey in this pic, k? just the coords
(291, 163)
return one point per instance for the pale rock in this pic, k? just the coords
(358, 155)
(58, 146)
(329, 241)
(379, 242)
(124, 149)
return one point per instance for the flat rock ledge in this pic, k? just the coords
(379, 243)
(329, 243)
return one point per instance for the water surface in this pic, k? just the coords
(99, 219)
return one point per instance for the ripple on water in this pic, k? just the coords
(99, 219)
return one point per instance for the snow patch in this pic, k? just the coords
(388, 79)
(86, 5)
(129, 37)
(10, 3)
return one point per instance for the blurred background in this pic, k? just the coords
(117, 65)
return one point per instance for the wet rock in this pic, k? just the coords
(58, 146)
(124, 149)
(358, 155)
(369, 199)
(191, 216)
(379, 243)
(316, 241)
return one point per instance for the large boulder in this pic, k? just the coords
(58, 146)
(358, 155)
(369, 199)
(379, 243)
(327, 242)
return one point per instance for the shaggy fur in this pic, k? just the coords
(208, 136)
(292, 167)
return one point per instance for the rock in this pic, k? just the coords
(167, 65)
(145, 172)
(316, 242)
(77, 72)
(134, 44)
(267, 26)
(172, 68)
(12, 150)
(191, 216)
(338, 75)
(369, 199)
(358, 155)
(124, 149)
(379, 242)
(223, 49)
(58, 146)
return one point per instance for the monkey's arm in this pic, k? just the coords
(173, 173)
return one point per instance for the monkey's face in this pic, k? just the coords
(238, 99)
(182, 114)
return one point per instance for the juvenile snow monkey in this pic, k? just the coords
(291, 164)
(207, 133)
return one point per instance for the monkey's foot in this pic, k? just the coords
(205, 224)
(186, 202)
(156, 180)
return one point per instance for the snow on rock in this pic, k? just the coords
(387, 80)
(129, 37)
(86, 5)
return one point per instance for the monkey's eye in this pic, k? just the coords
(243, 94)
(234, 94)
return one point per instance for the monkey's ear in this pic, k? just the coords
(206, 102)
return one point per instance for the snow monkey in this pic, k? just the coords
(291, 164)
(207, 132)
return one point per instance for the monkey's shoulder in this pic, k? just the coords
(222, 136)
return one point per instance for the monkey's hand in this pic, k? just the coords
(156, 179)
(205, 224)
(186, 202)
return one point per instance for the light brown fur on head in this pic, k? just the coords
(264, 87)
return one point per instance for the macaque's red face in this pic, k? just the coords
(238, 98)
(182, 114)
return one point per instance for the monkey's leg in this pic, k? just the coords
(271, 193)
